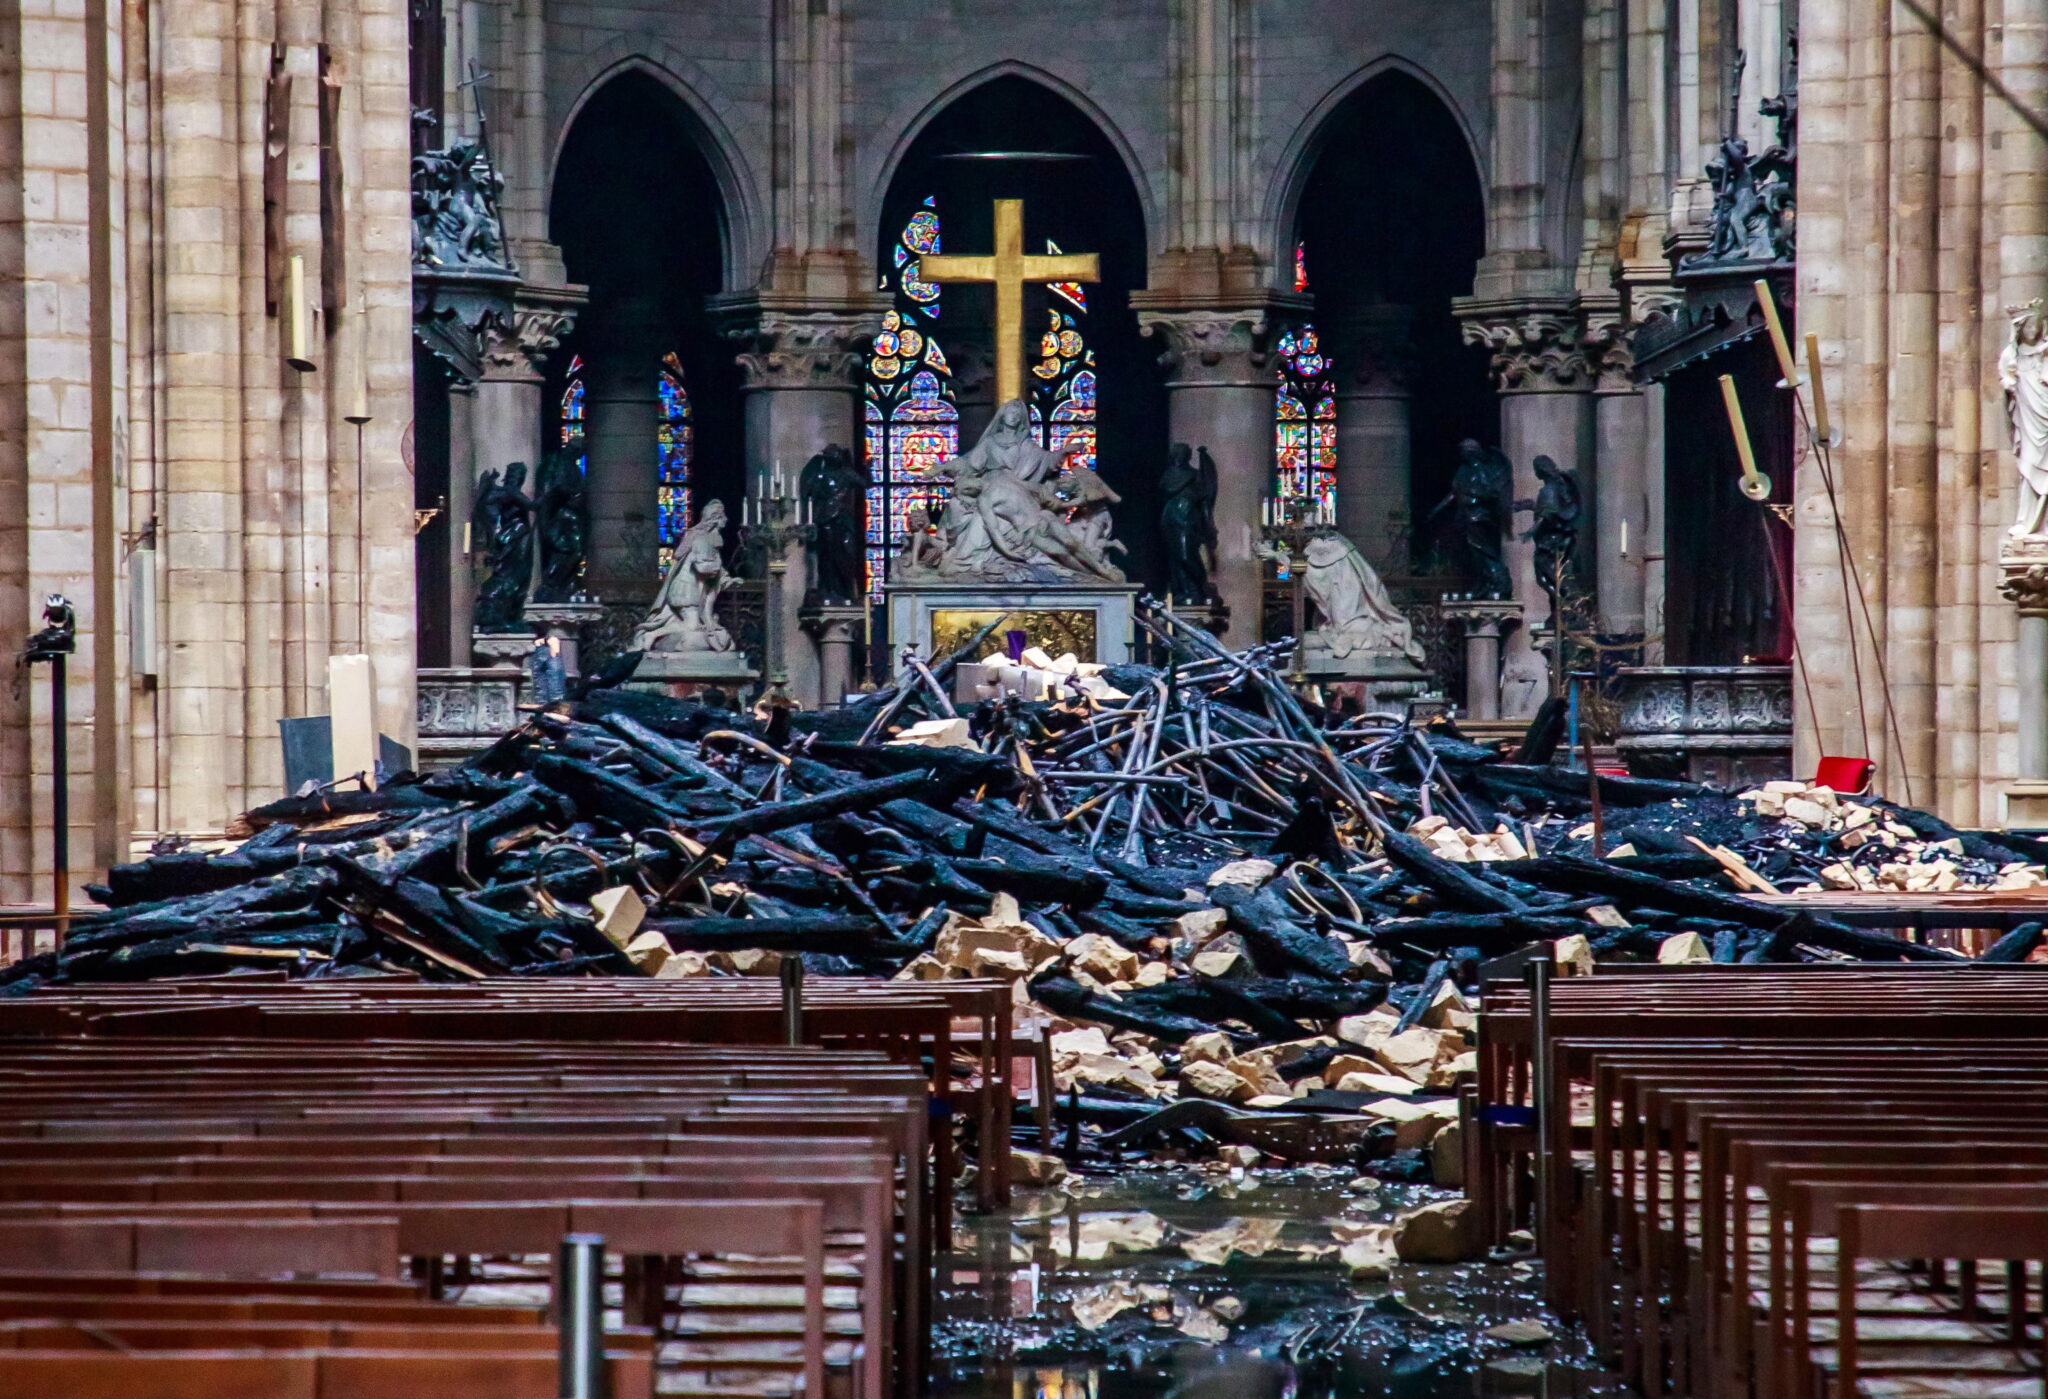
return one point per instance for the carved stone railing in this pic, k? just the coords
(464, 710)
(1727, 725)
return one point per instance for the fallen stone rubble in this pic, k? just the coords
(1249, 921)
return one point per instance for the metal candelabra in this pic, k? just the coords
(1285, 528)
(773, 519)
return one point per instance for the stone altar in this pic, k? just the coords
(1092, 622)
(1020, 537)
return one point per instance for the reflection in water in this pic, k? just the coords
(1180, 1283)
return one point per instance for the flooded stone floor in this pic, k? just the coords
(1186, 1282)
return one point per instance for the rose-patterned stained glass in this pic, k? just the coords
(1305, 414)
(919, 432)
(1062, 391)
(1071, 291)
(911, 424)
(1305, 424)
(674, 438)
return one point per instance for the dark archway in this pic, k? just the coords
(1393, 214)
(1077, 194)
(637, 214)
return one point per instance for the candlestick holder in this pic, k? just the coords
(772, 521)
(1286, 526)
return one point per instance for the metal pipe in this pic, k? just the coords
(60, 802)
(579, 1315)
(792, 999)
(1538, 974)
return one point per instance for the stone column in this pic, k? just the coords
(506, 417)
(1541, 371)
(621, 412)
(1620, 536)
(1220, 385)
(2023, 579)
(1370, 355)
(801, 379)
(838, 631)
(462, 473)
(1484, 620)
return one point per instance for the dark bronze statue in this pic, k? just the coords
(502, 526)
(835, 496)
(1478, 502)
(1187, 522)
(561, 510)
(1555, 531)
(1753, 219)
(455, 220)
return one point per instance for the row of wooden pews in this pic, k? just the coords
(1781, 1183)
(251, 1187)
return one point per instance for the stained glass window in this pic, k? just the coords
(673, 440)
(1063, 385)
(911, 424)
(572, 411)
(1305, 416)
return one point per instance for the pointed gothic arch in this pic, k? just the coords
(1321, 124)
(911, 120)
(697, 104)
(637, 211)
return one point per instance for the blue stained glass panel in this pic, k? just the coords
(673, 441)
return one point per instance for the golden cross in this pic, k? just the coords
(1009, 269)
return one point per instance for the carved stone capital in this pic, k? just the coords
(1213, 348)
(2023, 573)
(1647, 300)
(1534, 351)
(517, 347)
(802, 349)
(1610, 352)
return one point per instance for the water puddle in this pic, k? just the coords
(1199, 1283)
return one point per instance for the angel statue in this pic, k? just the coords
(1187, 521)
(1479, 492)
(684, 615)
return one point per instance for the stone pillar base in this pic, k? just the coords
(567, 621)
(687, 674)
(1483, 620)
(839, 629)
(2023, 805)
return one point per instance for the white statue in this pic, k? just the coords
(1088, 498)
(2023, 373)
(1358, 618)
(1006, 518)
(683, 617)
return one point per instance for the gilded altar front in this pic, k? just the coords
(1055, 630)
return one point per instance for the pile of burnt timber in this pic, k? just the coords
(1211, 886)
